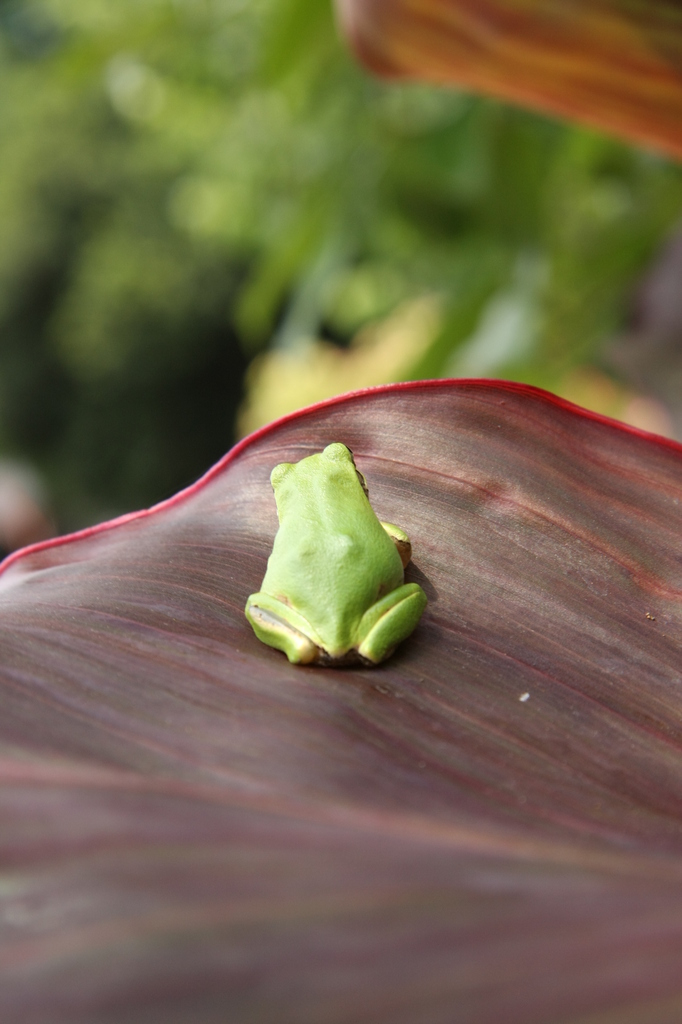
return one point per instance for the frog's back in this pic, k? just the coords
(331, 559)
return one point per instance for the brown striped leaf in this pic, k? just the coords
(486, 828)
(614, 64)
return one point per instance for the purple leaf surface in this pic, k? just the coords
(191, 829)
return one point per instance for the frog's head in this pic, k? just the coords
(325, 463)
(339, 452)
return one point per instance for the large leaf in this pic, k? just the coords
(615, 64)
(193, 829)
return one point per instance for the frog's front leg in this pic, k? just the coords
(278, 625)
(389, 621)
(401, 541)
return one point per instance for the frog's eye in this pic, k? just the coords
(338, 452)
(279, 472)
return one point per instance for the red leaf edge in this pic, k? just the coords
(464, 382)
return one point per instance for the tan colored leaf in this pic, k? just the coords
(613, 64)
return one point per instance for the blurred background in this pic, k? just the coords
(211, 215)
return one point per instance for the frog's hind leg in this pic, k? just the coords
(278, 625)
(389, 621)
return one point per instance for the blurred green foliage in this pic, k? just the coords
(184, 182)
